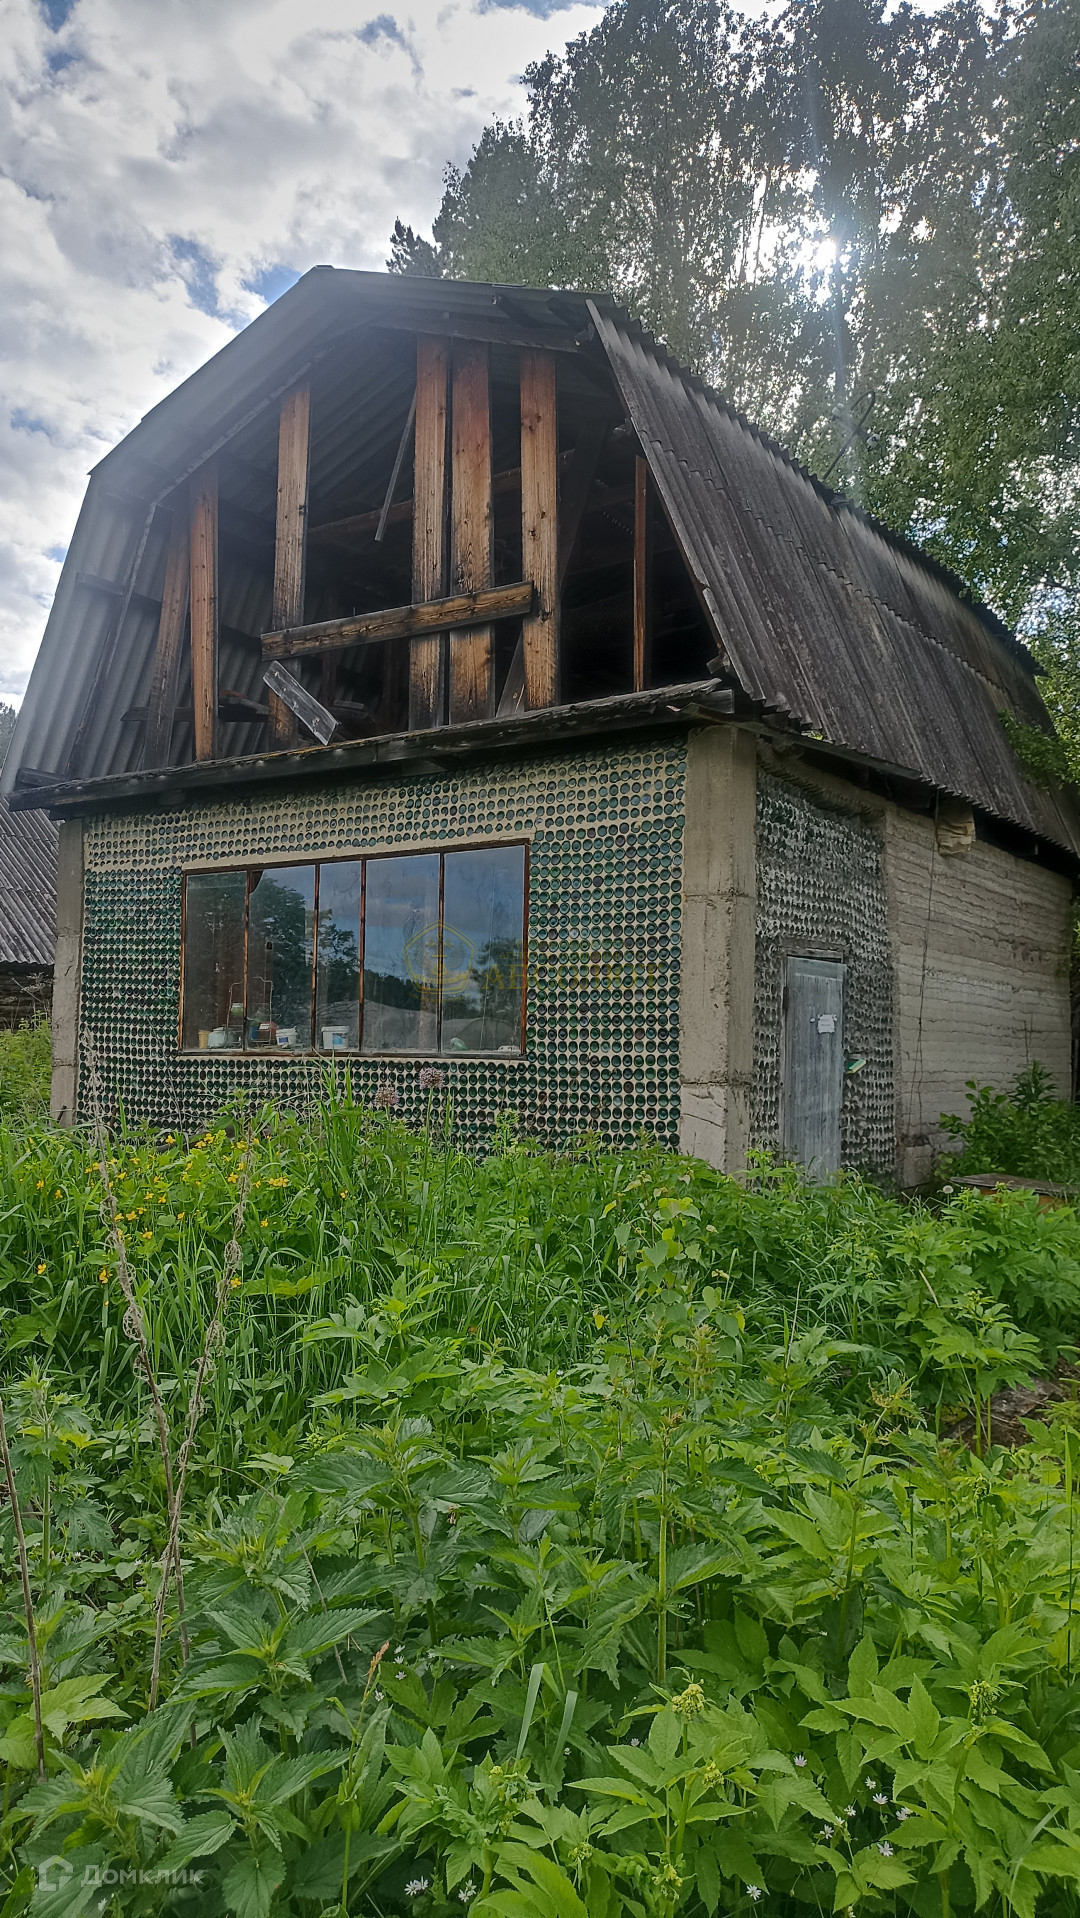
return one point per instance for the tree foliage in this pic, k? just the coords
(861, 223)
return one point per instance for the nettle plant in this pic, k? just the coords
(682, 1607)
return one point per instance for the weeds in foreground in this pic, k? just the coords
(562, 1537)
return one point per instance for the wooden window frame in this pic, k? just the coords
(363, 860)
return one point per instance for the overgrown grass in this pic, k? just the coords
(1027, 1131)
(25, 1068)
(563, 1536)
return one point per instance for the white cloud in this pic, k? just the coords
(164, 165)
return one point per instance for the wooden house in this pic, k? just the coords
(444, 686)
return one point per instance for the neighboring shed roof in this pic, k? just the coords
(27, 888)
(829, 621)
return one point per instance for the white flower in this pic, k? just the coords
(881, 1798)
(849, 1811)
(903, 1812)
(754, 1892)
(885, 1849)
(566, 1751)
(399, 1675)
(799, 1759)
(467, 1892)
(826, 1833)
(378, 1698)
(416, 1887)
(635, 1741)
(870, 1783)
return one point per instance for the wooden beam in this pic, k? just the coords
(461, 610)
(356, 525)
(641, 572)
(576, 490)
(540, 526)
(204, 608)
(172, 619)
(471, 554)
(290, 546)
(428, 508)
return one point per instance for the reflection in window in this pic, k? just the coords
(482, 921)
(337, 976)
(214, 960)
(401, 954)
(411, 952)
(281, 950)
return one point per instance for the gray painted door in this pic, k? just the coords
(813, 1063)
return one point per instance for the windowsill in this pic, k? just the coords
(285, 1053)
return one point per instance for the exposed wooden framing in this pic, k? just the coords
(641, 572)
(471, 554)
(164, 679)
(428, 508)
(294, 448)
(341, 531)
(204, 608)
(577, 487)
(540, 526)
(461, 610)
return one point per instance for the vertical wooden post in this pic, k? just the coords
(426, 682)
(164, 679)
(204, 608)
(290, 545)
(540, 525)
(471, 527)
(641, 573)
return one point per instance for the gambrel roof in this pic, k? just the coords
(828, 624)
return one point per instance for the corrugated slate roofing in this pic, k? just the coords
(27, 888)
(831, 625)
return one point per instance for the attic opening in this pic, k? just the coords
(410, 470)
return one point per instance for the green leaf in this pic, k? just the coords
(547, 1876)
(249, 1888)
(198, 1838)
(925, 1717)
(665, 1738)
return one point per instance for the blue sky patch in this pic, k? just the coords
(198, 271)
(270, 282)
(56, 12)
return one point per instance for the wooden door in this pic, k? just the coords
(813, 1064)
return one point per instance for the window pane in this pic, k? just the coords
(281, 926)
(337, 976)
(401, 953)
(214, 960)
(483, 929)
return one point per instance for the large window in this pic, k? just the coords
(411, 952)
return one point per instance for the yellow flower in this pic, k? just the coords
(41, 1269)
(103, 1276)
(264, 1222)
(343, 1195)
(234, 1283)
(147, 1235)
(59, 1194)
(40, 1185)
(169, 1140)
(179, 1215)
(163, 1199)
(131, 1215)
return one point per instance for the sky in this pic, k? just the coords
(169, 167)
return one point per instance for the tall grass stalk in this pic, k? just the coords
(214, 1339)
(28, 1602)
(134, 1324)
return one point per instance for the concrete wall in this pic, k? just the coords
(67, 972)
(982, 986)
(716, 1006)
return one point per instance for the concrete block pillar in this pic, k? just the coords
(67, 973)
(719, 911)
